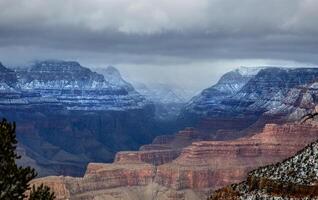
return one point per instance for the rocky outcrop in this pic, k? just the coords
(298, 102)
(163, 149)
(177, 141)
(294, 178)
(155, 157)
(200, 168)
(98, 178)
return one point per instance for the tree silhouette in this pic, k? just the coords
(41, 193)
(14, 179)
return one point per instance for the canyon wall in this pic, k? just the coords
(68, 115)
(200, 168)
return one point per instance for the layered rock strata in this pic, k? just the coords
(200, 168)
(67, 115)
(240, 100)
(294, 178)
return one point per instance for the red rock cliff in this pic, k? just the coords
(201, 167)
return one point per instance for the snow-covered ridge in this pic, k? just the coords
(228, 85)
(74, 86)
(299, 169)
(273, 91)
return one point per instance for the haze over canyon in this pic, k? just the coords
(161, 100)
(73, 121)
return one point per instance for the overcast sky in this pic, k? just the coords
(185, 42)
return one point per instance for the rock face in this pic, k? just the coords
(297, 102)
(200, 167)
(294, 178)
(239, 100)
(155, 157)
(218, 163)
(210, 101)
(68, 115)
(78, 88)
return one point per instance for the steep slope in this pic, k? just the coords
(209, 103)
(295, 178)
(298, 102)
(245, 100)
(68, 116)
(270, 86)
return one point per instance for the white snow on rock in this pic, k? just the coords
(74, 86)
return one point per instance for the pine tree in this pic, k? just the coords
(41, 193)
(14, 179)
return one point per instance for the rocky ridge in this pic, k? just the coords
(237, 101)
(73, 87)
(294, 178)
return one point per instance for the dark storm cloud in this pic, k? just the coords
(193, 29)
(159, 32)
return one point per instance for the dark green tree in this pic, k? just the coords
(14, 179)
(41, 193)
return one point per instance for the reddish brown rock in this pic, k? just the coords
(99, 177)
(181, 139)
(155, 157)
(200, 168)
(214, 164)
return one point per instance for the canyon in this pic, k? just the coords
(87, 127)
(68, 115)
(160, 172)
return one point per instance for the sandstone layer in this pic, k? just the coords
(294, 178)
(159, 172)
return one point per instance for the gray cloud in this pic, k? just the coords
(162, 34)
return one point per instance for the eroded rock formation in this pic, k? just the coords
(200, 168)
(294, 178)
